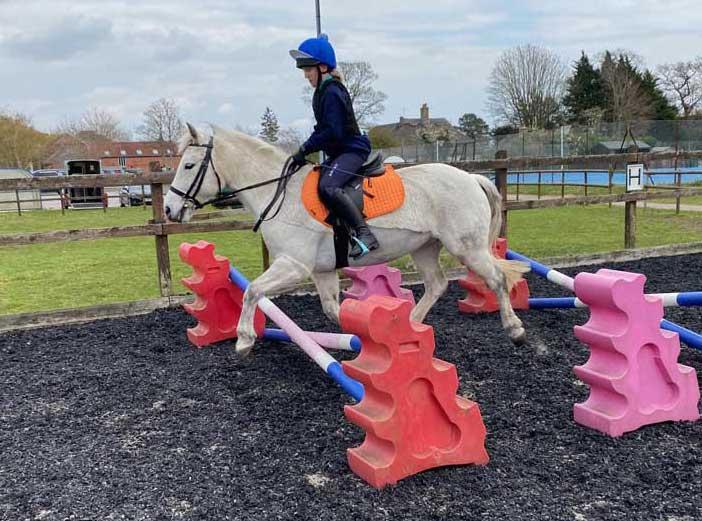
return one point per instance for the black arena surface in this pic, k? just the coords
(124, 419)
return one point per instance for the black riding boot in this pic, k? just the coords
(343, 207)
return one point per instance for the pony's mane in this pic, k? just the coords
(252, 143)
(234, 137)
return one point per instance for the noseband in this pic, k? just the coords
(190, 196)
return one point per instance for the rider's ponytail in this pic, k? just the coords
(337, 75)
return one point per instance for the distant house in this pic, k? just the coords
(613, 147)
(148, 156)
(8, 199)
(422, 129)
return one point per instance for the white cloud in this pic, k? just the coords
(224, 61)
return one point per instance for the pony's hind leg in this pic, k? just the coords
(283, 273)
(327, 284)
(426, 259)
(487, 267)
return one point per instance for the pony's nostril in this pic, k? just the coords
(168, 211)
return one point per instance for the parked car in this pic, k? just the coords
(49, 172)
(136, 195)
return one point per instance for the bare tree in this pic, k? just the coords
(94, 124)
(368, 103)
(161, 121)
(682, 82)
(626, 100)
(526, 85)
(290, 139)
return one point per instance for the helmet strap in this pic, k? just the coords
(319, 77)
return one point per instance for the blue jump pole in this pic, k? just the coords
(323, 359)
(691, 298)
(670, 300)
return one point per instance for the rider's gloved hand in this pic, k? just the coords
(299, 158)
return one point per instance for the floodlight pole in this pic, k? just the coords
(319, 20)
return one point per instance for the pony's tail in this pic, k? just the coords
(495, 200)
(513, 270)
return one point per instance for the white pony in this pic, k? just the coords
(443, 206)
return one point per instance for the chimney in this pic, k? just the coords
(424, 114)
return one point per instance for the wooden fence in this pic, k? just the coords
(160, 229)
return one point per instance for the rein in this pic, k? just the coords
(190, 196)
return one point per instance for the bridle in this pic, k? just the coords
(190, 196)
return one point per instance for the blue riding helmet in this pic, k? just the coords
(315, 51)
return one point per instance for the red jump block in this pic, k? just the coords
(633, 371)
(379, 279)
(217, 305)
(480, 299)
(410, 412)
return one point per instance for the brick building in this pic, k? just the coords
(422, 129)
(148, 156)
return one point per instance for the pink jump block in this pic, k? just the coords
(633, 371)
(380, 280)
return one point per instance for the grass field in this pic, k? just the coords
(555, 190)
(73, 274)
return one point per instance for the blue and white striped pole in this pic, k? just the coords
(692, 298)
(554, 276)
(669, 300)
(309, 346)
(340, 341)
(689, 337)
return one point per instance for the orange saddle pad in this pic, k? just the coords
(381, 195)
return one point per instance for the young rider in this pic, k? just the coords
(337, 135)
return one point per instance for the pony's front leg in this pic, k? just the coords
(284, 273)
(327, 284)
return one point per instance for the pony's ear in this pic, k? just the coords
(193, 133)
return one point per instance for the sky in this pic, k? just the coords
(225, 61)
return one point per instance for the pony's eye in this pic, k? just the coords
(189, 166)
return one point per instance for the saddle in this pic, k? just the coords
(379, 192)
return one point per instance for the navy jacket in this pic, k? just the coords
(336, 131)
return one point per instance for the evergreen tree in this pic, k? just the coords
(625, 97)
(472, 125)
(504, 130)
(584, 91)
(269, 126)
(662, 108)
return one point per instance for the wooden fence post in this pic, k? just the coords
(163, 258)
(501, 183)
(630, 224)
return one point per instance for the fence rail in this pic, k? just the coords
(160, 229)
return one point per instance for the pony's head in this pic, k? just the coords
(196, 180)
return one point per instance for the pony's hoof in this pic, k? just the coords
(243, 350)
(519, 338)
